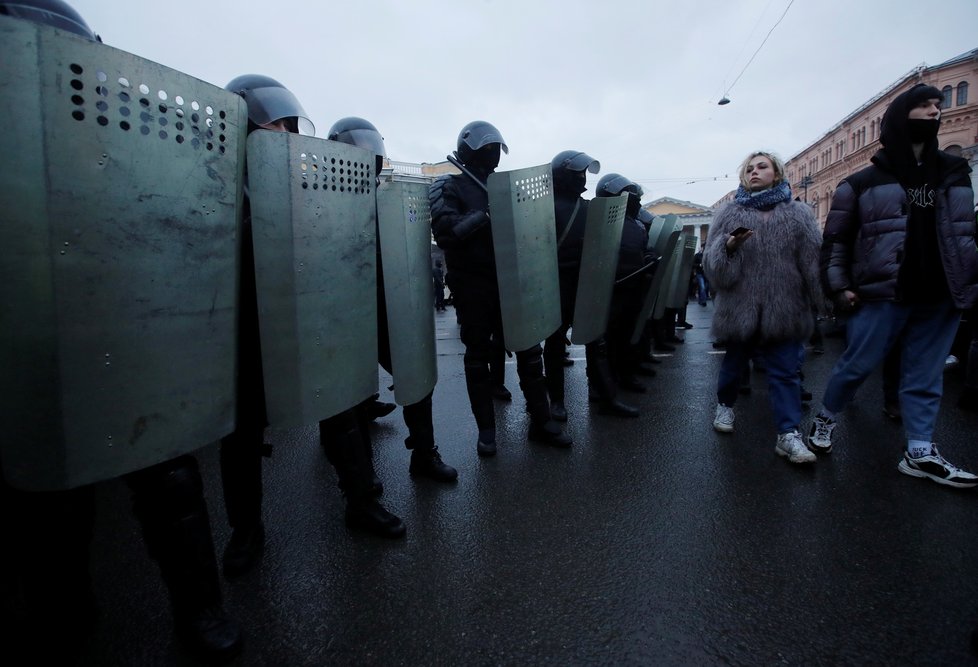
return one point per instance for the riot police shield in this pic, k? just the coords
(119, 219)
(599, 259)
(679, 293)
(404, 222)
(313, 213)
(663, 238)
(664, 297)
(521, 204)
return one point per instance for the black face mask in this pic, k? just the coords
(633, 205)
(486, 158)
(922, 130)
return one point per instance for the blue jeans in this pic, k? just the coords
(702, 293)
(782, 360)
(923, 332)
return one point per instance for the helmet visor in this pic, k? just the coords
(363, 138)
(267, 105)
(580, 162)
(483, 135)
(73, 24)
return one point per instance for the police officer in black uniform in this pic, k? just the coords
(570, 169)
(167, 500)
(271, 106)
(425, 459)
(461, 225)
(636, 263)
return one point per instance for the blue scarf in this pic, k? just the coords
(764, 200)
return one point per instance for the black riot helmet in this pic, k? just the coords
(612, 185)
(479, 144)
(570, 169)
(360, 133)
(55, 13)
(269, 101)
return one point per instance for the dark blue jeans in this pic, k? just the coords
(925, 334)
(781, 359)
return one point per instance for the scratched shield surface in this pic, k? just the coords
(521, 204)
(404, 223)
(663, 238)
(119, 219)
(599, 260)
(313, 221)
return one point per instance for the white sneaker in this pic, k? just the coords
(790, 446)
(724, 419)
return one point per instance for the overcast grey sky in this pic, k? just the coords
(634, 83)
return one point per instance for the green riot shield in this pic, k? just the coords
(663, 237)
(599, 260)
(521, 204)
(669, 279)
(404, 222)
(679, 294)
(313, 216)
(119, 223)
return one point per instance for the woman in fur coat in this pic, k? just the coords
(761, 258)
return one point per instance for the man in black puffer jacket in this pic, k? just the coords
(899, 253)
(461, 226)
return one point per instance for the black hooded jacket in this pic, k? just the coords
(902, 231)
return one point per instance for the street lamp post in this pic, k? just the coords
(805, 181)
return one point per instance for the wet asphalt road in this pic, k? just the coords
(653, 541)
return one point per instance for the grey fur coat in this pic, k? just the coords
(769, 287)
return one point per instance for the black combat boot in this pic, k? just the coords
(428, 463)
(241, 460)
(342, 438)
(601, 384)
(543, 428)
(169, 503)
(425, 459)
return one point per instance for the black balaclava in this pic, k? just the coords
(569, 183)
(633, 205)
(898, 133)
(483, 161)
(921, 277)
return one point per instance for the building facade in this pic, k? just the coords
(846, 148)
(694, 218)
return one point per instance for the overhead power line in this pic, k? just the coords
(725, 99)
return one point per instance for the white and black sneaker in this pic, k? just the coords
(820, 437)
(937, 468)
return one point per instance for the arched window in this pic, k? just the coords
(962, 93)
(946, 94)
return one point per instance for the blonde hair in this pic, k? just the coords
(775, 162)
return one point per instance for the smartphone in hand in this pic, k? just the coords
(740, 231)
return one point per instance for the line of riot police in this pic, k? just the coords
(189, 264)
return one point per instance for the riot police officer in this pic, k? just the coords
(570, 169)
(425, 458)
(272, 106)
(167, 500)
(461, 226)
(635, 266)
